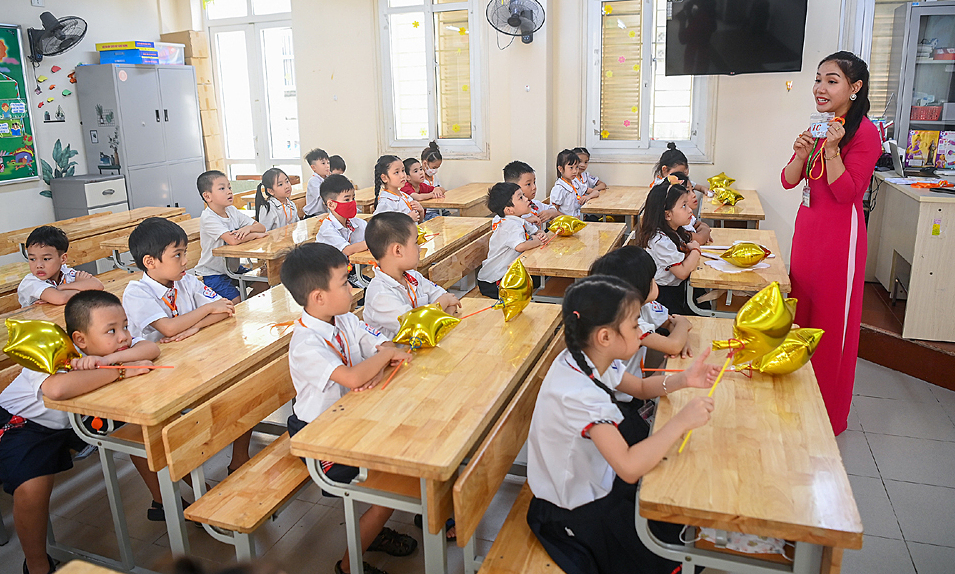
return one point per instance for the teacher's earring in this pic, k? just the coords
(853, 97)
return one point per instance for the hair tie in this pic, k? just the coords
(673, 179)
(577, 314)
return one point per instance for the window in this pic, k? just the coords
(880, 55)
(432, 80)
(633, 107)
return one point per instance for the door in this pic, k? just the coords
(138, 89)
(180, 113)
(255, 75)
(182, 183)
(149, 186)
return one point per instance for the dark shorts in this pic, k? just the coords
(490, 289)
(336, 472)
(224, 285)
(31, 450)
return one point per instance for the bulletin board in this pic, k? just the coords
(18, 160)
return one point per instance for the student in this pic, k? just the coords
(430, 162)
(50, 279)
(581, 513)
(662, 234)
(568, 195)
(510, 236)
(586, 180)
(397, 287)
(699, 231)
(35, 441)
(419, 189)
(222, 224)
(332, 352)
(273, 206)
(336, 165)
(390, 177)
(316, 159)
(523, 175)
(341, 229)
(674, 160)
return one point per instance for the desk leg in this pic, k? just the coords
(172, 506)
(118, 262)
(116, 505)
(273, 269)
(435, 545)
(359, 277)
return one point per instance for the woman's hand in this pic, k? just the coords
(833, 136)
(804, 145)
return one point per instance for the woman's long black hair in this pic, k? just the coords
(854, 69)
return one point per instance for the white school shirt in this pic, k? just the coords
(339, 236)
(24, 398)
(211, 228)
(313, 199)
(316, 350)
(564, 466)
(652, 316)
(506, 235)
(280, 214)
(566, 197)
(587, 180)
(147, 300)
(400, 202)
(665, 254)
(691, 226)
(386, 300)
(432, 181)
(31, 287)
(532, 228)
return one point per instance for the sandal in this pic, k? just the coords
(369, 569)
(48, 559)
(448, 525)
(156, 512)
(393, 543)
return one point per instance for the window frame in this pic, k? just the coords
(698, 149)
(474, 147)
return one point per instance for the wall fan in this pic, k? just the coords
(516, 17)
(56, 37)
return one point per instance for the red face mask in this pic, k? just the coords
(347, 209)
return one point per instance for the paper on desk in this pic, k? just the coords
(727, 267)
(911, 180)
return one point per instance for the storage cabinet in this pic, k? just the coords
(142, 122)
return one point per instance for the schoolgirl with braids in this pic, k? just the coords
(390, 177)
(577, 445)
(273, 206)
(662, 234)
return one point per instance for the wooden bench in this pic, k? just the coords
(458, 265)
(10, 276)
(7, 246)
(475, 488)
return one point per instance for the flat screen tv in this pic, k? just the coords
(706, 37)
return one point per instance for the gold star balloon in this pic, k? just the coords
(39, 346)
(566, 225)
(726, 195)
(422, 236)
(745, 254)
(424, 326)
(721, 180)
(762, 324)
(515, 290)
(794, 352)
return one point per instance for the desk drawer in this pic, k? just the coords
(105, 192)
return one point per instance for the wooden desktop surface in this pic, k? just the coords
(365, 197)
(436, 409)
(747, 209)
(452, 234)
(618, 200)
(767, 463)
(572, 256)
(106, 223)
(707, 277)
(121, 243)
(466, 197)
(11, 274)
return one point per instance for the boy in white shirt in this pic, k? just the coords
(510, 237)
(35, 441)
(336, 165)
(397, 288)
(222, 224)
(523, 175)
(341, 229)
(50, 279)
(316, 159)
(332, 352)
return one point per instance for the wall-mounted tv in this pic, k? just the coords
(734, 36)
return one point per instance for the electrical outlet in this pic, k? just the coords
(37, 3)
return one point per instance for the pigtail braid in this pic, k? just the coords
(572, 341)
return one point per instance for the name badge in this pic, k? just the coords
(805, 195)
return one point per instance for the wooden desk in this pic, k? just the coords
(748, 209)
(470, 200)
(246, 200)
(766, 464)
(11, 275)
(365, 197)
(120, 243)
(620, 200)
(452, 233)
(7, 246)
(572, 256)
(705, 277)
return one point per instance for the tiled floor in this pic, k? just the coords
(899, 452)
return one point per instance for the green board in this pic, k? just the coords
(17, 149)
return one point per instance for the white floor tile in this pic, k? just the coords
(878, 518)
(904, 418)
(878, 556)
(931, 559)
(856, 455)
(877, 381)
(854, 423)
(916, 460)
(926, 513)
(942, 394)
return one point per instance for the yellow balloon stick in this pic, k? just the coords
(712, 389)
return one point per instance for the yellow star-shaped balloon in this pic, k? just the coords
(515, 290)
(566, 225)
(745, 254)
(794, 352)
(415, 24)
(726, 196)
(39, 346)
(424, 326)
(721, 180)
(761, 325)
(422, 236)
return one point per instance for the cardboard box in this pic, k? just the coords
(210, 122)
(197, 43)
(207, 97)
(102, 46)
(203, 68)
(213, 146)
(133, 56)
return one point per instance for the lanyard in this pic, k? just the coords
(172, 304)
(342, 349)
(814, 158)
(401, 196)
(288, 213)
(574, 189)
(412, 289)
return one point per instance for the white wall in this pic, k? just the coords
(107, 20)
(337, 54)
